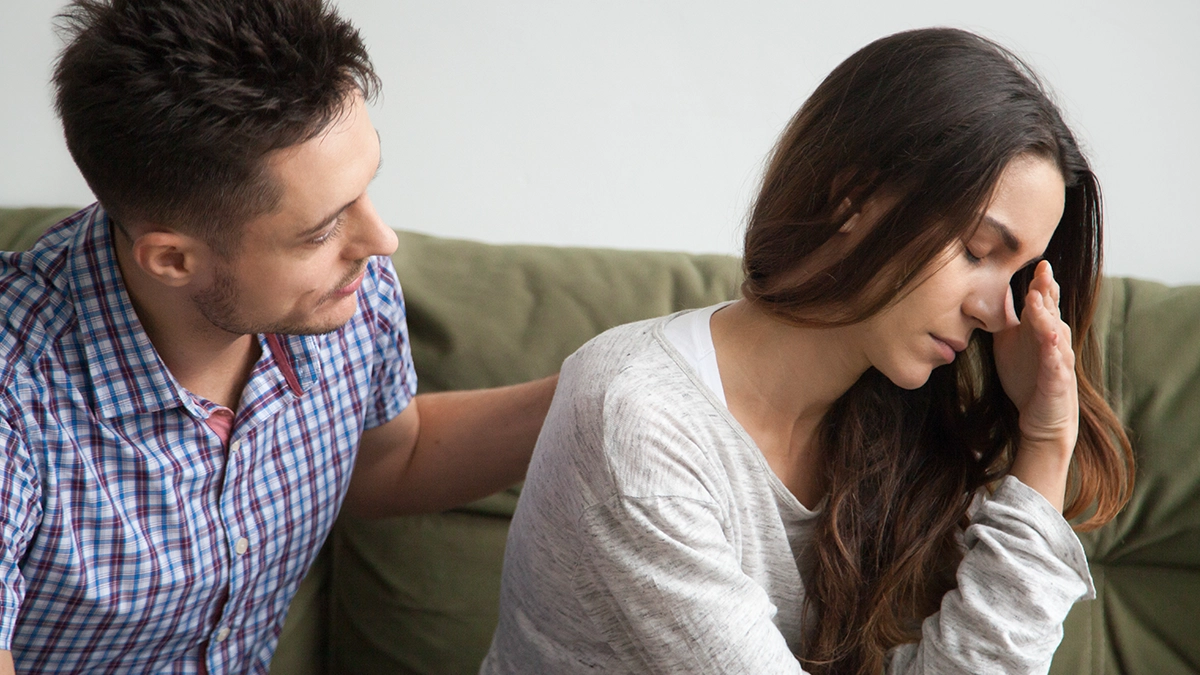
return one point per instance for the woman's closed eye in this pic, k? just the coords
(971, 257)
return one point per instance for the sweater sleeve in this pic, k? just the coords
(665, 590)
(1023, 570)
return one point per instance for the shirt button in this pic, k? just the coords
(241, 545)
(236, 446)
(223, 633)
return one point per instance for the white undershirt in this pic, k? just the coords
(691, 334)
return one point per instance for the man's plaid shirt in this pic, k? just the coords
(144, 528)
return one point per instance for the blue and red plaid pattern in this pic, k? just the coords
(135, 538)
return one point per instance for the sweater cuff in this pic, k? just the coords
(1027, 504)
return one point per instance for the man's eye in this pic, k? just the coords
(331, 232)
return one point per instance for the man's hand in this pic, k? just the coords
(1036, 364)
(448, 449)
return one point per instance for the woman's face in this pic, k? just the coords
(969, 287)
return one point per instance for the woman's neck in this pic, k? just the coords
(779, 381)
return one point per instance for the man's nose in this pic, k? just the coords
(371, 236)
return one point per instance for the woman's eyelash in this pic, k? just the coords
(971, 257)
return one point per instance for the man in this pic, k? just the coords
(198, 369)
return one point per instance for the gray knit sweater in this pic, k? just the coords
(652, 537)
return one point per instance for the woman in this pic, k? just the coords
(838, 472)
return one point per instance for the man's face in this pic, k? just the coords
(297, 270)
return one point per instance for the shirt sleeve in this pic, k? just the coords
(393, 379)
(1023, 570)
(20, 511)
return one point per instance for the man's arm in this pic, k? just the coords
(20, 520)
(448, 449)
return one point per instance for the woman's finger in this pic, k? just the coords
(1055, 290)
(1043, 284)
(1041, 318)
(1041, 277)
(1052, 303)
(1050, 287)
(1050, 333)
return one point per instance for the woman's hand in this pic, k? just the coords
(1036, 365)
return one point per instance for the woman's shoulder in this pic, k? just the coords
(629, 410)
(631, 369)
(618, 347)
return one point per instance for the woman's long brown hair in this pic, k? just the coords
(930, 118)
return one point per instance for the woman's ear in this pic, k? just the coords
(864, 213)
(852, 221)
(861, 195)
(848, 210)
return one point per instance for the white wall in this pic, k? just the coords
(643, 124)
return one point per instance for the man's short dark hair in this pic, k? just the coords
(170, 107)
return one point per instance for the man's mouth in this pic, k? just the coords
(352, 285)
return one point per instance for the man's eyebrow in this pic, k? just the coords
(325, 221)
(1010, 240)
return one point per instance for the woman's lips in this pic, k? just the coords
(947, 349)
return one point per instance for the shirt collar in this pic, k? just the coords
(127, 375)
(295, 356)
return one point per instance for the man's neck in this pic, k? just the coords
(209, 362)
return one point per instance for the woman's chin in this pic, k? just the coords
(913, 377)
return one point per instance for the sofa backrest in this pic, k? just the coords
(484, 315)
(1146, 562)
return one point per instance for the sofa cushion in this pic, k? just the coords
(1146, 562)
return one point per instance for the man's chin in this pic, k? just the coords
(311, 327)
(311, 330)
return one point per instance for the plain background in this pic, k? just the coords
(644, 124)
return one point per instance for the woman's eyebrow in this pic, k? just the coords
(1011, 242)
(1006, 235)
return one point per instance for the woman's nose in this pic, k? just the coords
(994, 309)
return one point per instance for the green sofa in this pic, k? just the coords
(419, 594)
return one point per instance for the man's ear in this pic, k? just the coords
(169, 257)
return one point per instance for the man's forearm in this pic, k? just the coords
(472, 443)
(469, 444)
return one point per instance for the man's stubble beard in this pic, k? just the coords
(218, 304)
